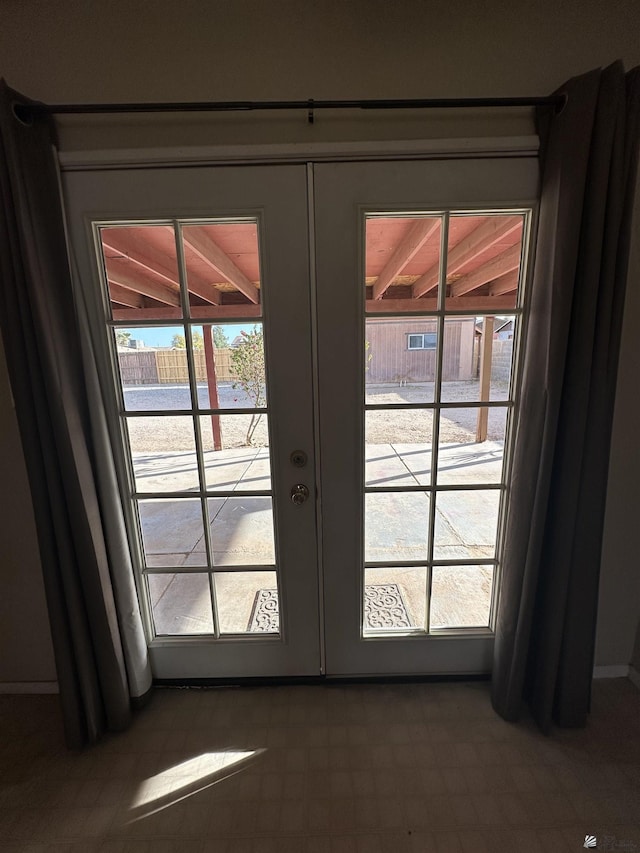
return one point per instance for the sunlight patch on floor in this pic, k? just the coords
(184, 779)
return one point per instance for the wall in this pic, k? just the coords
(635, 658)
(619, 601)
(392, 361)
(138, 50)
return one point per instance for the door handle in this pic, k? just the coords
(299, 494)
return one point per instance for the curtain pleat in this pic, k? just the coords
(81, 534)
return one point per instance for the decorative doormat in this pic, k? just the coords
(384, 607)
(265, 617)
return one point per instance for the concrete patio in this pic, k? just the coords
(396, 529)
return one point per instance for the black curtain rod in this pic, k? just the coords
(23, 110)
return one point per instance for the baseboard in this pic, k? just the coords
(615, 671)
(29, 687)
(634, 676)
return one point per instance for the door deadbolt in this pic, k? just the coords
(298, 458)
(299, 494)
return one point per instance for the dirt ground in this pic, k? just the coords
(408, 426)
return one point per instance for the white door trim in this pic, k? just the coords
(119, 158)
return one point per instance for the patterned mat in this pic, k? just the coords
(384, 607)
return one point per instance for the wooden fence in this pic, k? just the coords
(170, 367)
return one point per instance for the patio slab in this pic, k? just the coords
(396, 524)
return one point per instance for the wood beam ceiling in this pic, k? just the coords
(122, 296)
(154, 289)
(470, 304)
(416, 237)
(482, 238)
(505, 284)
(141, 257)
(496, 267)
(206, 313)
(208, 251)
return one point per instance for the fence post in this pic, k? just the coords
(485, 378)
(210, 361)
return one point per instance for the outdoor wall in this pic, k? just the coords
(393, 362)
(132, 50)
(501, 356)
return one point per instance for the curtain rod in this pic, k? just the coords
(23, 110)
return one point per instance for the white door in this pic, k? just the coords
(198, 283)
(213, 318)
(420, 295)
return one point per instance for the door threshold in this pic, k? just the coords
(304, 680)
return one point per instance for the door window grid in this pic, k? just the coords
(440, 315)
(188, 316)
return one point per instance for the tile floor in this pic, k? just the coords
(406, 768)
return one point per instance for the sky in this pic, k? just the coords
(161, 336)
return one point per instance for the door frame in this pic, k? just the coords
(283, 154)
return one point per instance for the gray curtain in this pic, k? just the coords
(98, 638)
(546, 621)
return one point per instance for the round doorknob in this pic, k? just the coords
(299, 494)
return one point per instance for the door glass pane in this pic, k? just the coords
(394, 599)
(232, 375)
(236, 452)
(247, 602)
(223, 268)
(141, 269)
(402, 262)
(172, 532)
(241, 531)
(400, 360)
(180, 603)
(463, 455)
(153, 368)
(461, 596)
(475, 369)
(483, 261)
(466, 524)
(163, 452)
(406, 362)
(398, 447)
(396, 526)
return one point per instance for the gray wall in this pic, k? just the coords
(132, 50)
(635, 658)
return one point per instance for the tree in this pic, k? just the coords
(178, 341)
(247, 365)
(220, 340)
(123, 338)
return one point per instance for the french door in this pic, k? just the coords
(420, 294)
(309, 376)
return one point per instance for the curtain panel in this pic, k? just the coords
(98, 638)
(545, 633)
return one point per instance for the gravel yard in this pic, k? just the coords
(168, 433)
